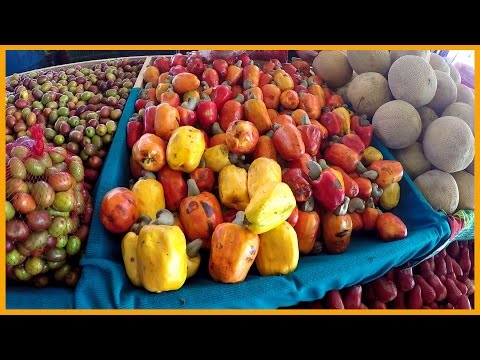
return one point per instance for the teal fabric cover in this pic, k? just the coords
(104, 283)
(466, 234)
(27, 297)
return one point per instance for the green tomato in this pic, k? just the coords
(90, 131)
(34, 265)
(22, 274)
(74, 121)
(14, 257)
(62, 241)
(73, 245)
(58, 139)
(61, 272)
(10, 211)
(111, 126)
(55, 265)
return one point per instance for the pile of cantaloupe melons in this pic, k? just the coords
(419, 109)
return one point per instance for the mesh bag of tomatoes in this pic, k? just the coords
(48, 211)
(272, 142)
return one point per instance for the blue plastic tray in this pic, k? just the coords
(104, 283)
(25, 297)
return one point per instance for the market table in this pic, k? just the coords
(104, 283)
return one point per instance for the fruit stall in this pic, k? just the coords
(242, 180)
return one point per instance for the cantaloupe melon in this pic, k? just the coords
(413, 160)
(333, 67)
(440, 190)
(446, 93)
(465, 190)
(454, 74)
(427, 115)
(448, 144)
(396, 54)
(439, 63)
(465, 94)
(397, 124)
(367, 92)
(413, 80)
(462, 111)
(342, 91)
(363, 61)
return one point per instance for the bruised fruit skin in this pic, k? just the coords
(242, 137)
(23, 203)
(61, 181)
(17, 230)
(119, 210)
(390, 227)
(39, 220)
(43, 194)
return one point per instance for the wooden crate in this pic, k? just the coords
(148, 62)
